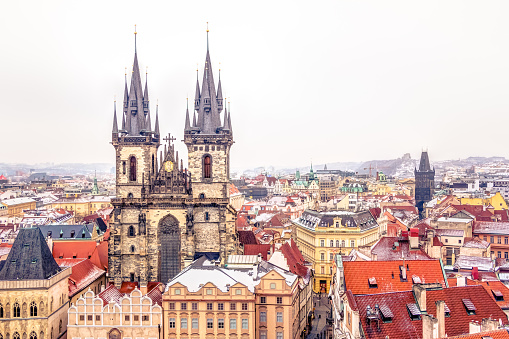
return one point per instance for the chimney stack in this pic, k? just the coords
(461, 281)
(429, 327)
(441, 318)
(489, 324)
(420, 295)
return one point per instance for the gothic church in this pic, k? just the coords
(165, 216)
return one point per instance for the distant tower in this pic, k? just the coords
(424, 182)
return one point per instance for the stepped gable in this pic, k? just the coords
(30, 258)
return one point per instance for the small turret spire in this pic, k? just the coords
(219, 95)
(188, 124)
(197, 95)
(194, 119)
(146, 104)
(226, 126)
(157, 120)
(115, 124)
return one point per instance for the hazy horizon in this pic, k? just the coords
(327, 82)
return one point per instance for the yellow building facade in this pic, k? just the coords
(321, 235)
(497, 201)
(16, 206)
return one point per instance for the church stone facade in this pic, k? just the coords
(165, 216)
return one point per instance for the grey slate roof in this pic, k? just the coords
(424, 164)
(312, 219)
(67, 231)
(30, 258)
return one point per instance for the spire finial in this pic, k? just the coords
(207, 36)
(135, 33)
(187, 102)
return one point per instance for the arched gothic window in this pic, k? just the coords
(132, 248)
(15, 335)
(337, 243)
(33, 312)
(16, 313)
(33, 335)
(132, 168)
(1, 312)
(153, 165)
(60, 326)
(202, 196)
(131, 231)
(207, 167)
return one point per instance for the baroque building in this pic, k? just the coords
(424, 182)
(165, 216)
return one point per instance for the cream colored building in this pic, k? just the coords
(321, 235)
(113, 315)
(33, 290)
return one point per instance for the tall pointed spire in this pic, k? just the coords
(156, 128)
(194, 119)
(188, 123)
(135, 117)
(226, 125)
(206, 101)
(230, 118)
(424, 163)
(115, 124)
(197, 94)
(126, 101)
(123, 122)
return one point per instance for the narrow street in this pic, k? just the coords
(322, 309)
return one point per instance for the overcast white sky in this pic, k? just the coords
(322, 80)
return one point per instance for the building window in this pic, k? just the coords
(499, 254)
(279, 300)
(446, 240)
(263, 334)
(89, 317)
(145, 318)
(263, 300)
(506, 241)
(245, 324)
(183, 306)
(263, 317)
(33, 309)
(207, 167)
(499, 240)
(233, 324)
(194, 323)
(209, 307)
(220, 323)
(220, 306)
(194, 306)
(183, 323)
(131, 231)
(279, 317)
(132, 168)
(136, 318)
(172, 323)
(343, 243)
(322, 270)
(172, 306)
(123, 167)
(279, 335)
(322, 256)
(16, 311)
(505, 256)
(1, 311)
(337, 243)
(352, 243)
(331, 256)
(206, 216)
(331, 243)
(126, 318)
(272, 286)
(210, 323)
(132, 248)
(244, 306)
(209, 291)
(322, 243)
(33, 335)
(238, 291)
(177, 291)
(492, 239)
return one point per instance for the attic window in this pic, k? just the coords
(413, 311)
(447, 311)
(49, 234)
(498, 295)
(416, 280)
(34, 261)
(469, 306)
(386, 314)
(372, 282)
(72, 234)
(26, 245)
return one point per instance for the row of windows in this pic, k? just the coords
(263, 317)
(208, 291)
(16, 335)
(499, 240)
(263, 300)
(210, 323)
(263, 335)
(16, 310)
(338, 243)
(210, 306)
(499, 254)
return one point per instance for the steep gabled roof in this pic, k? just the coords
(73, 249)
(30, 258)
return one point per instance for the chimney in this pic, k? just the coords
(429, 327)
(420, 295)
(441, 318)
(461, 281)
(403, 271)
(143, 289)
(474, 327)
(489, 324)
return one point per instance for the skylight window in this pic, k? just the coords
(447, 311)
(372, 282)
(416, 280)
(386, 313)
(469, 306)
(413, 311)
(498, 295)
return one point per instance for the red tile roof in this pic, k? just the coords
(127, 287)
(83, 274)
(387, 274)
(73, 249)
(458, 321)
(294, 258)
(497, 334)
(100, 256)
(385, 249)
(251, 249)
(247, 237)
(110, 294)
(375, 212)
(492, 287)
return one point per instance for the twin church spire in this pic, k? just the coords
(208, 105)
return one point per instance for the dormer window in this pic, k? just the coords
(372, 282)
(469, 306)
(497, 295)
(413, 311)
